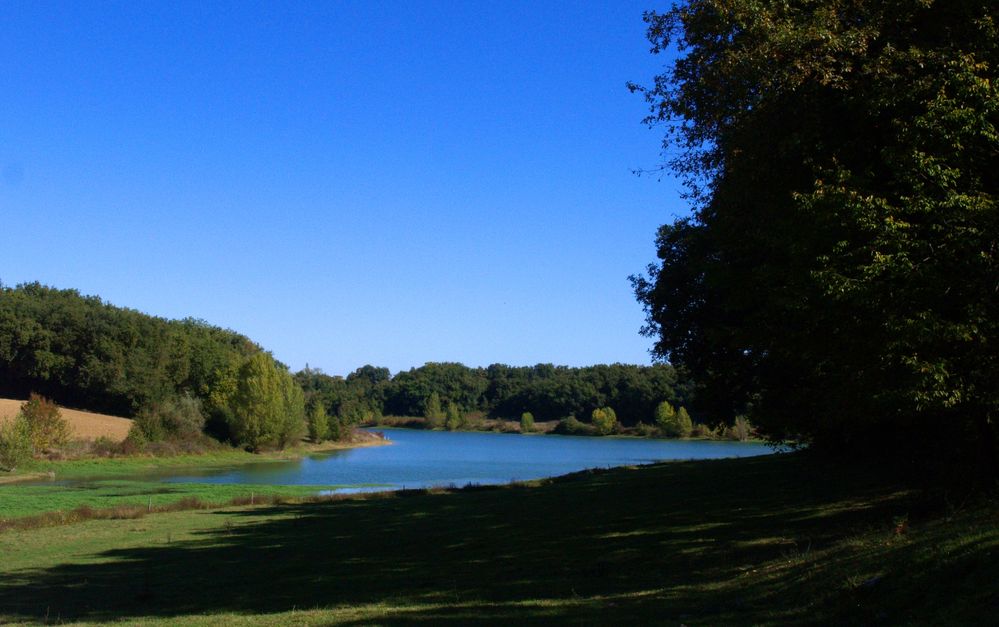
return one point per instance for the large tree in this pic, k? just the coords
(838, 279)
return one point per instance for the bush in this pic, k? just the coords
(646, 430)
(740, 430)
(104, 446)
(526, 422)
(175, 419)
(15, 443)
(48, 428)
(135, 442)
(703, 431)
(571, 426)
(604, 420)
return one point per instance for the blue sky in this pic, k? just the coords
(344, 182)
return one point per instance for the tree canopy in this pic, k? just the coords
(838, 278)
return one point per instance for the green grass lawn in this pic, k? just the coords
(771, 540)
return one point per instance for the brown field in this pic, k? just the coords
(85, 425)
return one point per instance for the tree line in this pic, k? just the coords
(168, 374)
(547, 391)
(181, 378)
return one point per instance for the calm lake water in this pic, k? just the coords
(418, 459)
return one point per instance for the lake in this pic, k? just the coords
(419, 459)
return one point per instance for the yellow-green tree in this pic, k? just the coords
(604, 420)
(433, 412)
(318, 421)
(526, 422)
(267, 407)
(47, 426)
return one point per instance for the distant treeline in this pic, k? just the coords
(548, 392)
(83, 352)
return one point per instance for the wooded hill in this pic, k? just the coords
(83, 352)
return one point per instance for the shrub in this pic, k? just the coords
(741, 429)
(604, 420)
(135, 442)
(49, 429)
(526, 422)
(703, 431)
(571, 426)
(175, 419)
(15, 443)
(105, 447)
(646, 430)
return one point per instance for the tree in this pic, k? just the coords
(454, 419)
(673, 423)
(433, 412)
(836, 280)
(318, 421)
(683, 422)
(48, 428)
(268, 407)
(604, 420)
(526, 422)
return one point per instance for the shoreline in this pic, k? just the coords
(96, 467)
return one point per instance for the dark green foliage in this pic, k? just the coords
(347, 401)
(86, 353)
(176, 419)
(837, 280)
(548, 392)
(570, 425)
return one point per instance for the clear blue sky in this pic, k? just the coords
(344, 182)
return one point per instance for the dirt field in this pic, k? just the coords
(84, 424)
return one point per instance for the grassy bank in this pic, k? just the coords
(44, 486)
(771, 540)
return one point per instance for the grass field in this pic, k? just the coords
(773, 540)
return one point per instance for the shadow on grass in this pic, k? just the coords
(672, 543)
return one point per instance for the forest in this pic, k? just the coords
(170, 374)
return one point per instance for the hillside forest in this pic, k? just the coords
(176, 375)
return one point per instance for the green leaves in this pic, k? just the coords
(838, 275)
